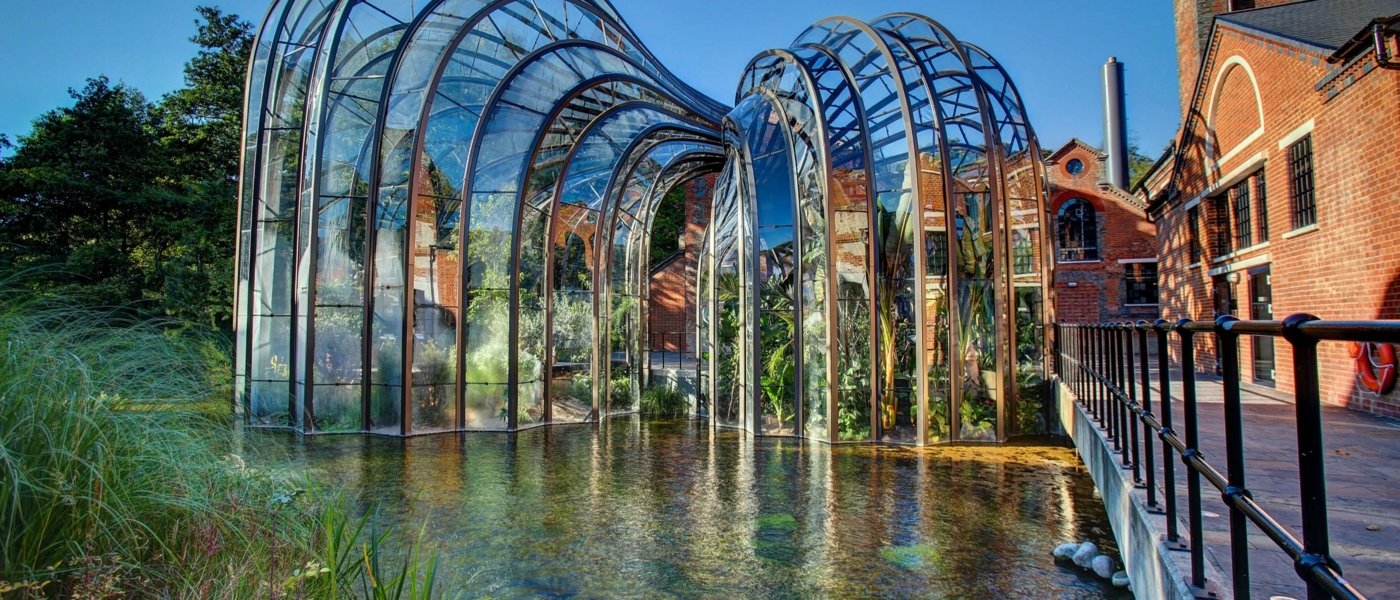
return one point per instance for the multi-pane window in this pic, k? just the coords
(1244, 231)
(1140, 280)
(936, 249)
(1078, 227)
(1023, 252)
(1261, 200)
(1220, 211)
(1300, 178)
(1233, 216)
(1193, 224)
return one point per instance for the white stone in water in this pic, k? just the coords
(1120, 579)
(1084, 556)
(1103, 566)
(1066, 550)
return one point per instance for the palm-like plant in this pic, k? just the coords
(895, 327)
(976, 330)
(777, 332)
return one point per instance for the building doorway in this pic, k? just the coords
(1222, 296)
(1261, 308)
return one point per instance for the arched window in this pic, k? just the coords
(1078, 227)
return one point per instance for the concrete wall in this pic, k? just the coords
(1155, 570)
(682, 380)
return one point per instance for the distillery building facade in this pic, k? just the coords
(1279, 196)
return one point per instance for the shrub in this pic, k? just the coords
(663, 402)
(620, 391)
(117, 477)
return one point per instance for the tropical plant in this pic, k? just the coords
(726, 353)
(581, 387)
(1030, 381)
(940, 379)
(663, 402)
(776, 336)
(976, 340)
(1030, 399)
(620, 392)
(895, 329)
(573, 327)
(855, 376)
(387, 381)
(435, 371)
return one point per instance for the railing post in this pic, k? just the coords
(1081, 341)
(1111, 352)
(1130, 384)
(1081, 355)
(1228, 343)
(1104, 386)
(1193, 477)
(1164, 379)
(1115, 357)
(1098, 371)
(1086, 353)
(1095, 386)
(1124, 407)
(1115, 416)
(1312, 479)
(1068, 348)
(1150, 463)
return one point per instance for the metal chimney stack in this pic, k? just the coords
(1115, 123)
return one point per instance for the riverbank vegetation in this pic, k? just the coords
(121, 474)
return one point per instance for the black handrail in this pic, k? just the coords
(1095, 362)
(673, 350)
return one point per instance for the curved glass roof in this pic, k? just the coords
(446, 205)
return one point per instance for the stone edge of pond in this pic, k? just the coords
(1155, 570)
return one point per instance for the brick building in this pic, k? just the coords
(671, 311)
(1106, 254)
(1280, 195)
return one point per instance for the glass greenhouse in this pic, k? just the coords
(445, 212)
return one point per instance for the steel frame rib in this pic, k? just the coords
(507, 94)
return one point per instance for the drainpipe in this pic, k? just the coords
(1383, 57)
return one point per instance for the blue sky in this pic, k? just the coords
(1054, 50)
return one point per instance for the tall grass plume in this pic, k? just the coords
(117, 479)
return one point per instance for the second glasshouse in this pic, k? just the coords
(446, 206)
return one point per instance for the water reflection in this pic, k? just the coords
(633, 508)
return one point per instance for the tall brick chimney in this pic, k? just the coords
(1193, 19)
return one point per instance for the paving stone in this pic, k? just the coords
(1363, 486)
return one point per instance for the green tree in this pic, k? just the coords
(667, 225)
(79, 194)
(134, 203)
(200, 126)
(1138, 164)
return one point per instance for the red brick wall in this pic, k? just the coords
(1193, 23)
(1348, 267)
(1098, 287)
(671, 310)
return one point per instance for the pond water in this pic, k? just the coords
(634, 508)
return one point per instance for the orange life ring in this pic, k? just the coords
(1377, 373)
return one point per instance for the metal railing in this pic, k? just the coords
(671, 350)
(1097, 362)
